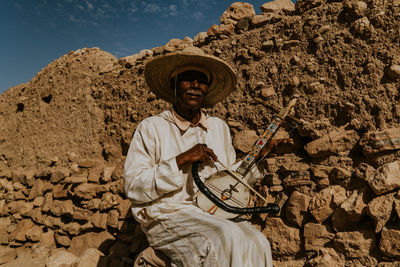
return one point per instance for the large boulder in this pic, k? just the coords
(389, 244)
(285, 240)
(316, 236)
(237, 11)
(386, 179)
(351, 211)
(380, 209)
(277, 5)
(323, 204)
(355, 244)
(90, 240)
(334, 142)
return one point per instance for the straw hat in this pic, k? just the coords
(160, 71)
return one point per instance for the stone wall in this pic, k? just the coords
(65, 136)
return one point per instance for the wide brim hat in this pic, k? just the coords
(161, 69)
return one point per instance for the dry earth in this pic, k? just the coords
(64, 136)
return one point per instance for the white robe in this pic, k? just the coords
(162, 197)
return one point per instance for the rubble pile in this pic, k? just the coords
(65, 134)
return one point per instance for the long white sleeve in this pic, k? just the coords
(147, 178)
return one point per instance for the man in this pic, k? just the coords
(158, 178)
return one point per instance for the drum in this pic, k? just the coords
(223, 185)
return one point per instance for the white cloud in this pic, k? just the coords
(151, 8)
(173, 10)
(89, 5)
(72, 18)
(198, 16)
(133, 8)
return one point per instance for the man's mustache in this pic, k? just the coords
(194, 92)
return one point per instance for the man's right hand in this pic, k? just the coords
(199, 152)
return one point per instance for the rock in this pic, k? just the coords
(386, 178)
(47, 202)
(144, 53)
(268, 45)
(99, 220)
(124, 208)
(244, 140)
(38, 201)
(350, 212)
(380, 209)
(236, 11)
(268, 91)
(316, 88)
(326, 257)
(95, 174)
(77, 178)
(355, 244)
(200, 39)
(60, 191)
(112, 219)
(296, 208)
(325, 202)
(388, 264)
(272, 179)
(59, 173)
(243, 24)
(62, 207)
(81, 214)
(217, 31)
(364, 172)
(355, 8)
(294, 81)
(362, 26)
(63, 240)
(129, 61)
(90, 240)
(397, 204)
(109, 200)
(89, 163)
(177, 44)
(88, 191)
(334, 142)
(93, 204)
(389, 244)
(262, 19)
(339, 175)
(7, 254)
(380, 141)
(107, 173)
(72, 228)
(316, 236)
(47, 239)
(61, 258)
(90, 258)
(300, 178)
(20, 231)
(275, 6)
(394, 75)
(35, 233)
(226, 30)
(284, 240)
(39, 187)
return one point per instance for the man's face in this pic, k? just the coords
(192, 87)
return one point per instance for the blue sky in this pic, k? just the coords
(36, 32)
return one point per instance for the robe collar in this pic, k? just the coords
(184, 124)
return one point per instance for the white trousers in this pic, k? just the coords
(196, 238)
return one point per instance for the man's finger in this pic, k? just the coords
(211, 153)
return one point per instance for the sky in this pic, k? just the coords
(36, 32)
